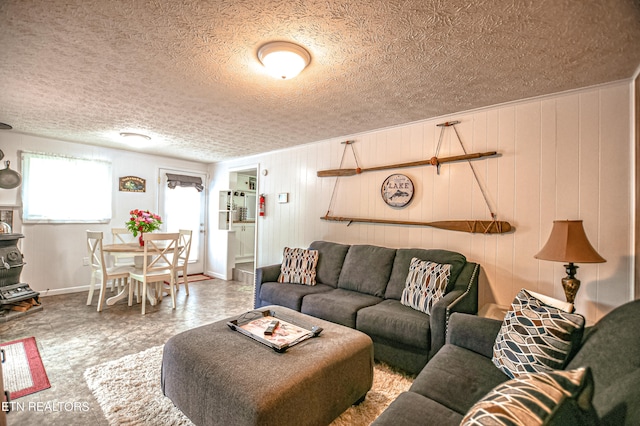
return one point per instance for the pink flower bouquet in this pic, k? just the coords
(143, 221)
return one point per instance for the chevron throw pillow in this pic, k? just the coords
(426, 284)
(535, 337)
(553, 398)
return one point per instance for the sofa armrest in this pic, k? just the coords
(467, 282)
(438, 320)
(463, 298)
(264, 274)
(474, 333)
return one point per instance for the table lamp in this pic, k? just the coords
(569, 243)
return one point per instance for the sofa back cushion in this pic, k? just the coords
(366, 269)
(330, 259)
(402, 261)
(611, 348)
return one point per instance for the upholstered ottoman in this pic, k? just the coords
(218, 376)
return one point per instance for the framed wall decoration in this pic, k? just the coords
(132, 184)
(397, 190)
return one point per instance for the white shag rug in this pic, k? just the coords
(128, 391)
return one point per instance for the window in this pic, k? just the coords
(58, 189)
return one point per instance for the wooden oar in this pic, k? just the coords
(472, 226)
(433, 161)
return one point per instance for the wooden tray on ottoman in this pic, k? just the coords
(287, 334)
(218, 376)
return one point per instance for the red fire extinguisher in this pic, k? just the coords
(261, 204)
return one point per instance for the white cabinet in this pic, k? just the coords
(225, 211)
(243, 205)
(244, 241)
(236, 206)
(242, 182)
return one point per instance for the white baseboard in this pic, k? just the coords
(68, 290)
(217, 275)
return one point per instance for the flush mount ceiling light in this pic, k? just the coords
(135, 137)
(283, 59)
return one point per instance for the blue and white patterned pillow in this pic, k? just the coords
(552, 398)
(426, 284)
(298, 266)
(535, 337)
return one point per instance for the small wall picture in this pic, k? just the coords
(283, 197)
(132, 184)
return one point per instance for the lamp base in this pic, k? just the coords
(570, 283)
(570, 286)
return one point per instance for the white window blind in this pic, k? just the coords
(58, 189)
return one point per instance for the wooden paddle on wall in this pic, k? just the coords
(472, 226)
(433, 161)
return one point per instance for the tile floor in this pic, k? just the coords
(72, 336)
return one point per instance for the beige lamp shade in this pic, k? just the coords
(569, 243)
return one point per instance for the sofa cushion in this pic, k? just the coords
(289, 295)
(298, 266)
(338, 305)
(617, 404)
(330, 259)
(553, 398)
(392, 321)
(426, 284)
(402, 261)
(535, 337)
(611, 348)
(366, 269)
(410, 409)
(457, 378)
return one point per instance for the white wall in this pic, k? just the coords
(53, 252)
(566, 156)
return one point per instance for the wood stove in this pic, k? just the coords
(14, 295)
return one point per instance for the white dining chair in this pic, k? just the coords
(159, 265)
(99, 268)
(122, 236)
(183, 258)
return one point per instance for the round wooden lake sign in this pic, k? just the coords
(397, 190)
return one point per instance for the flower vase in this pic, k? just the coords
(141, 240)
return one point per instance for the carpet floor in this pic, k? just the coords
(128, 391)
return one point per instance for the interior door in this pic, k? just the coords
(184, 208)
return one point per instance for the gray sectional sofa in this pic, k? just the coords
(461, 373)
(360, 286)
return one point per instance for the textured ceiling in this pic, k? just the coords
(185, 72)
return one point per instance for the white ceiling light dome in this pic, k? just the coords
(283, 59)
(135, 139)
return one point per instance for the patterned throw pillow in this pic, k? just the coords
(426, 284)
(298, 266)
(535, 337)
(553, 398)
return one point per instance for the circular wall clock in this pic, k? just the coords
(397, 190)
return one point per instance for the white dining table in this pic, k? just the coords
(137, 252)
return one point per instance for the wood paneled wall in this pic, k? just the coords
(566, 156)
